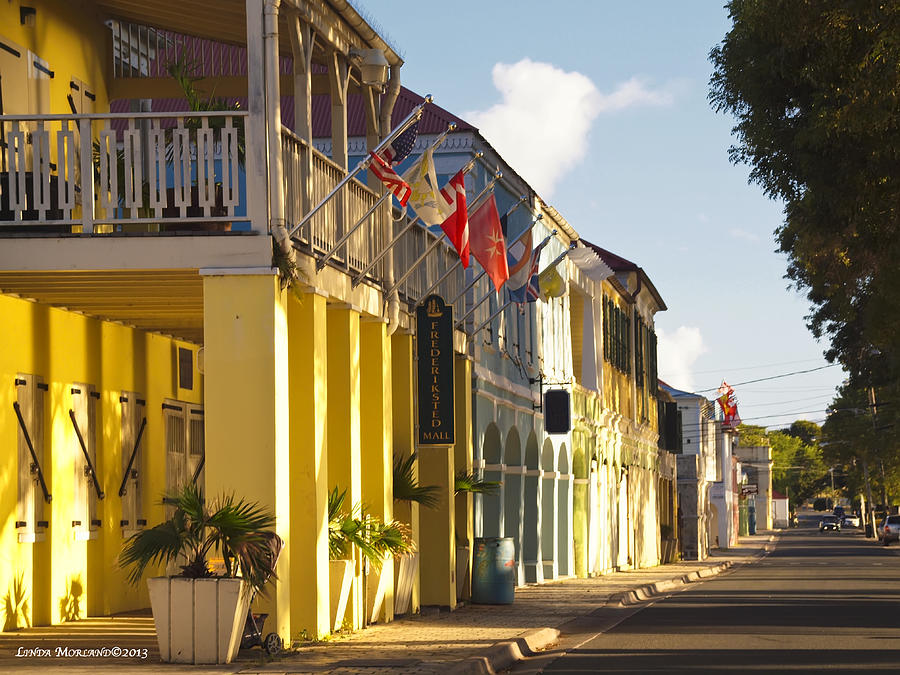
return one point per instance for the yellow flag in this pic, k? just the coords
(425, 198)
(550, 282)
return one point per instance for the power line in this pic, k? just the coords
(766, 365)
(773, 377)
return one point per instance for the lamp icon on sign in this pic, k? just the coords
(433, 308)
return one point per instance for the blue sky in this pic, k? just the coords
(602, 107)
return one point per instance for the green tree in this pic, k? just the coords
(815, 89)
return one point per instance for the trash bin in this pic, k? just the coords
(494, 571)
(751, 518)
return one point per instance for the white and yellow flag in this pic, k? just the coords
(425, 198)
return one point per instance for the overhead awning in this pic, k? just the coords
(590, 264)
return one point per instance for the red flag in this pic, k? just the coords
(488, 244)
(457, 224)
(392, 181)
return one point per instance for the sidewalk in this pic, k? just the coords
(464, 640)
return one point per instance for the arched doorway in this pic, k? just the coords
(531, 548)
(549, 515)
(512, 495)
(563, 527)
(491, 504)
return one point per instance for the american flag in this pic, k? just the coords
(532, 289)
(399, 149)
(391, 179)
(391, 155)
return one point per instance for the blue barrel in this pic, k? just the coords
(494, 575)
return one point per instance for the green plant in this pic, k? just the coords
(470, 482)
(406, 486)
(374, 538)
(239, 530)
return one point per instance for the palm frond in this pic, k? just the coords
(470, 482)
(158, 545)
(406, 487)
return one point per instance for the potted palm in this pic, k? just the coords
(200, 613)
(351, 528)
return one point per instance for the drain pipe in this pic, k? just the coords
(273, 127)
(384, 125)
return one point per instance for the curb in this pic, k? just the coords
(648, 591)
(504, 654)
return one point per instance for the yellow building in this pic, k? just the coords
(624, 484)
(164, 319)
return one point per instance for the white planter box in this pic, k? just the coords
(198, 621)
(406, 578)
(340, 581)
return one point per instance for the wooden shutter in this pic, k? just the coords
(83, 415)
(196, 445)
(131, 480)
(176, 447)
(576, 315)
(30, 498)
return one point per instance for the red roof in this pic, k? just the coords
(777, 495)
(434, 119)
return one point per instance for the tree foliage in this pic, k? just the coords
(814, 88)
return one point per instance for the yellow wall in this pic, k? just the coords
(65, 348)
(71, 37)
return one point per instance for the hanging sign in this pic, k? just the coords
(434, 337)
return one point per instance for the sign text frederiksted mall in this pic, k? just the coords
(434, 337)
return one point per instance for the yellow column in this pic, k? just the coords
(308, 359)
(462, 459)
(246, 411)
(402, 387)
(343, 425)
(376, 452)
(438, 547)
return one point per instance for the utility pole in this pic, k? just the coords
(870, 511)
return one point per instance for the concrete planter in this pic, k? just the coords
(198, 621)
(406, 579)
(340, 581)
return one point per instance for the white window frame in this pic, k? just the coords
(185, 444)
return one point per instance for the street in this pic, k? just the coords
(818, 602)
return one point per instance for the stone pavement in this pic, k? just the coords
(433, 642)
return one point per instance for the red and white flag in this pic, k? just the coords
(391, 179)
(487, 241)
(728, 403)
(456, 226)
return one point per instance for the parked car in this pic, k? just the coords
(890, 530)
(850, 520)
(831, 523)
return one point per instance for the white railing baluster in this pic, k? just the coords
(18, 199)
(134, 169)
(206, 167)
(40, 177)
(87, 175)
(181, 144)
(231, 192)
(109, 171)
(157, 177)
(65, 162)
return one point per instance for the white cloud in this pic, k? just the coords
(542, 124)
(677, 354)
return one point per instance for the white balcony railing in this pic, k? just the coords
(119, 172)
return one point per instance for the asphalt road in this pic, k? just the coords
(818, 602)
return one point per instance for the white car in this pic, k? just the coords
(850, 520)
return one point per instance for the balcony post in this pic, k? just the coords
(256, 165)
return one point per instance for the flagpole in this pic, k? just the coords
(491, 318)
(478, 304)
(415, 115)
(459, 262)
(474, 281)
(439, 239)
(362, 275)
(321, 262)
